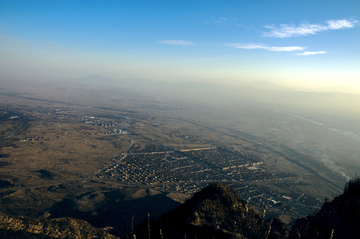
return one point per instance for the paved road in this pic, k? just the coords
(25, 123)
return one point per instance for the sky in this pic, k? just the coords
(304, 44)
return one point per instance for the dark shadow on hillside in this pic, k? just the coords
(110, 209)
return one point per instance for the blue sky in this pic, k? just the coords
(306, 44)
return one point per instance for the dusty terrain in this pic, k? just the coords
(108, 156)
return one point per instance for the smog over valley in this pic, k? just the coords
(115, 114)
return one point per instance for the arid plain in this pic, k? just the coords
(110, 155)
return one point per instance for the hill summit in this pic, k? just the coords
(214, 212)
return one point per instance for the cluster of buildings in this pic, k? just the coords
(108, 132)
(162, 165)
(32, 138)
(58, 111)
(188, 172)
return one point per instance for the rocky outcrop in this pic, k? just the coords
(23, 227)
(337, 219)
(215, 212)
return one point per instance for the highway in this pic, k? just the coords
(25, 123)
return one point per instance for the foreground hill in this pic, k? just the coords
(218, 212)
(215, 212)
(339, 218)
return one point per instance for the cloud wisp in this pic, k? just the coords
(305, 28)
(222, 21)
(310, 53)
(268, 48)
(177, 42)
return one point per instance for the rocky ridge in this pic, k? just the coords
(214, 212)
(24, 227)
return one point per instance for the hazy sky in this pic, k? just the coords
(296, 43)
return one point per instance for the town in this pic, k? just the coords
(188, 171)
(175, 167)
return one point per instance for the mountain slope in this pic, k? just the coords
(215, 212)
(339, 218)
